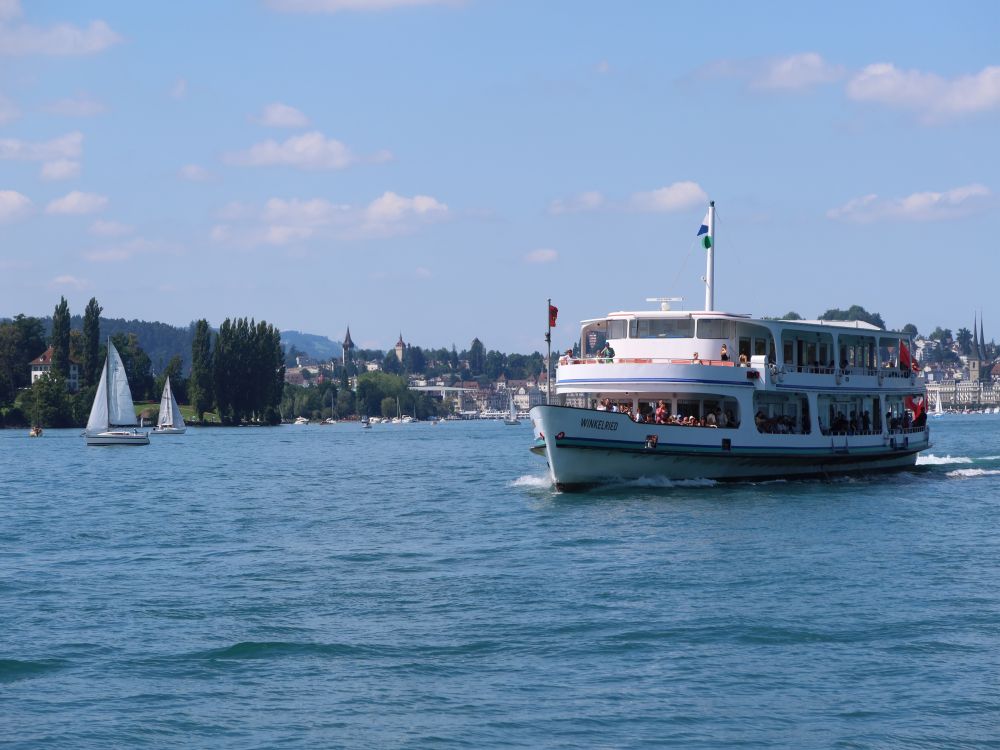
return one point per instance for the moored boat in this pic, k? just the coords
(680, 394)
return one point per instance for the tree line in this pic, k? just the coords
(237, 372)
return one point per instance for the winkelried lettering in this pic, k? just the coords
(599, 424)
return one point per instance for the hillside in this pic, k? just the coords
(318, 347)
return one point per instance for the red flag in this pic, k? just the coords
(905, 363)
(914, 404)
(553, 313)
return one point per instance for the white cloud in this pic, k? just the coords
(179, 89)
(394, 214)
(676, 197)
(81, 105)
(70, 281)
(13, 205)
(308, 151)
(194, 173)
(60, 169)
(933, 96)
(9, 9)
(61, 40)
(109, 228)
(287, 221)
(129, 249)
(796, 72)
(589, 201)
(542, 255)
(278, 115)
(8, 110)
(69, 146)
(77, 203)
(928, 206)
(337, 6)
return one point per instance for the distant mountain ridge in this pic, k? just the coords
(318, 347)
(161, 341)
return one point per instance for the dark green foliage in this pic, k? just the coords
(964, 339)
(941, 334)
(60, 339)
(248, 367)
(854, 312)
(391, 363)
(477, 358)
(138, 368)
(21, 340)
(200, 390)
(90, 359)
(178, 383)
(792, 315)
(910, 329)
(47, 403)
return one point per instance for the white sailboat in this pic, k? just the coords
(512, 419)
(938, 411)
(113, 410)
(170, 421)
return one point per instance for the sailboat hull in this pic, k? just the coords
(118, 437)
(168, 430)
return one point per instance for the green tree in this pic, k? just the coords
(941, 334)
(21, 340)
(138, 367)
(477, 357)
(50, 404)
(200, 391)
(854, 312)
(387, 407)
(791, 316)
(60, 339)
(414, 360)
(909, 329)
(178, 384)
(964, 339)
(391, 363)
(91, 355)
(494, 364)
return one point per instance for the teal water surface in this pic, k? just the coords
(419, 586)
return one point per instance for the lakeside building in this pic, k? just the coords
(42, 365)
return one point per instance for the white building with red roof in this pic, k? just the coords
(42, 365)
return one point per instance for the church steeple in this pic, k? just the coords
(975, 341)
(348, 346)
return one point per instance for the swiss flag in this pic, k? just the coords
(553, 314)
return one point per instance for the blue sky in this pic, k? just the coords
(441, 168)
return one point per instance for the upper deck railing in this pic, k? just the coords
(885, 372)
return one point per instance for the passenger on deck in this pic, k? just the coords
(724, 354)
(723, 419)
(660, 415)
(696, 360)
(710, 420)
(744, 362)
(866, 422)
(607, 354)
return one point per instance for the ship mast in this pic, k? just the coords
(710, 259)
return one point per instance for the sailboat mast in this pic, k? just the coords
(107, 380)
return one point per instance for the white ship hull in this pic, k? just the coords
(584, 447)
(118, 437)
(169, 430)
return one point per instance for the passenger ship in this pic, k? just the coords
(788, 398)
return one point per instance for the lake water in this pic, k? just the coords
(422, 587)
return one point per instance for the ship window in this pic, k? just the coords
(662, 328)
(713, 329)
(617, 329)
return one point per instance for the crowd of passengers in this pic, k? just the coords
(645, 414)
(781, 424)
(861, 424)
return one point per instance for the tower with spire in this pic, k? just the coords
(978, 366)
(400, 348)
(348, 346)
